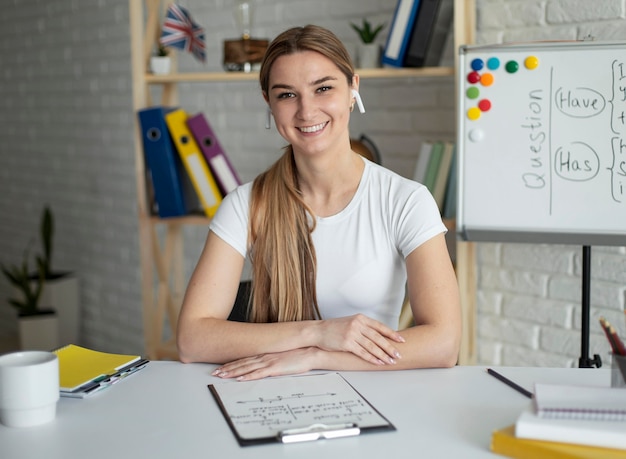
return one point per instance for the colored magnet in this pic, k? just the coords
(473, 113)
(477, 64)
(473, 77)
(531, 62)
(493, 63)
(472, 92)
(486, 79)
(476, 135)
(484, 105)
(512, 66)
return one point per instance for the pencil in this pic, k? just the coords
(618, 342)
(509, 383)
(609, 336)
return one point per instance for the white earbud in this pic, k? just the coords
(359, 102)
(268, 118)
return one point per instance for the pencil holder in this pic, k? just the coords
(618, 371)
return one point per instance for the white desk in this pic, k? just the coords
(166, 411)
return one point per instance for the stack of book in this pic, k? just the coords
(419, 34)
(567, 421)
(436, 169)
(185, 162)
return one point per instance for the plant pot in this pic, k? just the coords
(61, 293)
(368, 55)
(39, 332)
(160, 65)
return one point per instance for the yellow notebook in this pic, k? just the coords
(79, 366)
(505, 442)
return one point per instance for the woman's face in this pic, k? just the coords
(310, 100)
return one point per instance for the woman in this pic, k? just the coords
(333, 240)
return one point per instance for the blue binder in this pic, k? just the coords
(400, 32)
(172, 195)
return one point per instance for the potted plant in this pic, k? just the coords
(38, 327)
(160, 63)
(58, 290)
(368, 52)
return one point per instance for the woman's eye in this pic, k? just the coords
(324, 88)
(286, 95)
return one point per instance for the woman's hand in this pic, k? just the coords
(362, 336)
(291, 362)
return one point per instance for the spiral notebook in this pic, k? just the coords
(604, 434)
(558, 401)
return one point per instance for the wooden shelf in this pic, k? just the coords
(184, 220)
(213, 77)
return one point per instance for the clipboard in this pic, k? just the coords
(295, 409)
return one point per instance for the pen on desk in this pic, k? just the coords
(509, 383)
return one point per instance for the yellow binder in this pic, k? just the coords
(195, 164)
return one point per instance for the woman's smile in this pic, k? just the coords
(313, 129)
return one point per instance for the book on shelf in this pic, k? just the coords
(448, 53)
(421, 33)
(83, 371)
(443, 173)
(432, 169)
(399, 35)
(218, 161)
(171, 189)
(449, 207)
(422, 161)
(605, 434)
(429, 36)
(202, 178)
(442, 31)
(505, 443)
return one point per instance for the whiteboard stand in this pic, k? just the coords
(540, 148)
(585, 361)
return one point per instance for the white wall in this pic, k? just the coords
(66, 139)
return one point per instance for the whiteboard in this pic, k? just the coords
(542, 143)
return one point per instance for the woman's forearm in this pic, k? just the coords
(219, 341)
(425, 346)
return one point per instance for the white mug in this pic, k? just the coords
(29, 388)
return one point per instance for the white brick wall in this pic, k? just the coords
(66, 139)
(529, 296)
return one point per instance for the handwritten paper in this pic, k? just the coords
(261, 410)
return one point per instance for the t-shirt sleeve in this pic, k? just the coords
(230, 222)
(419, 220)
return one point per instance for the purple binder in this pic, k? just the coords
(223, 170)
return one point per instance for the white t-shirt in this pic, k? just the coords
(361, 250)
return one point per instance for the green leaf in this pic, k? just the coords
(366, 32)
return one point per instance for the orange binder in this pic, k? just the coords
(195, 164)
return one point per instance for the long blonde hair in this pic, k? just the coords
(282, 252)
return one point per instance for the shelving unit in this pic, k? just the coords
(209, 77)
(163, 283)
